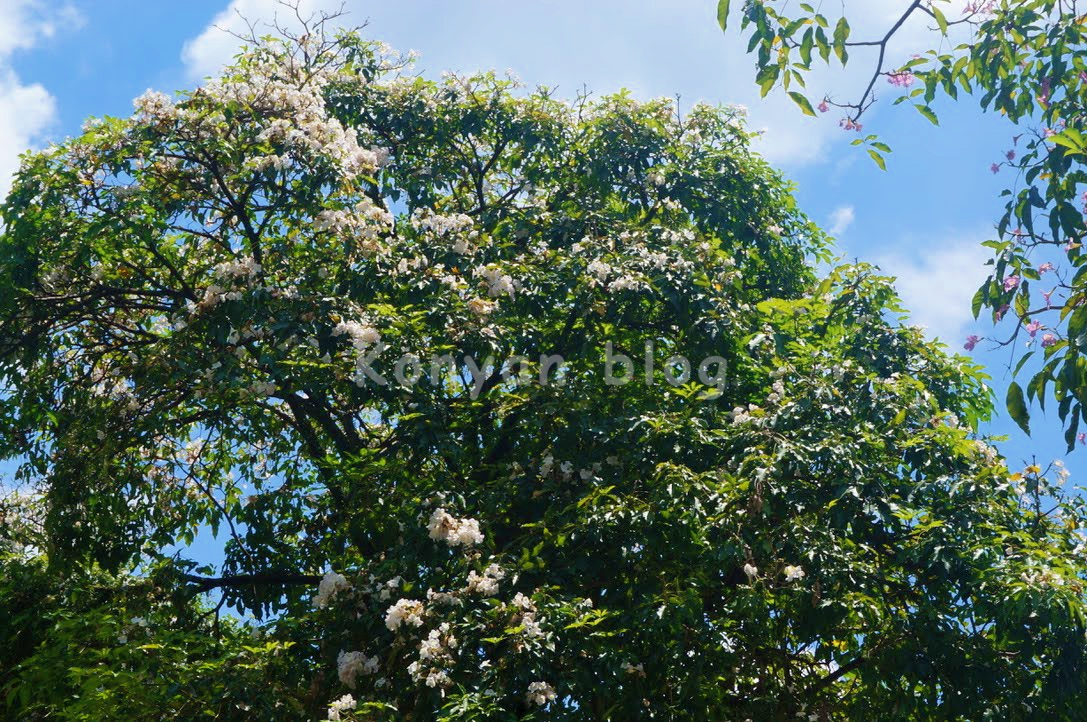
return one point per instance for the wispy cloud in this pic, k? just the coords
(937, 280)
(841, 219)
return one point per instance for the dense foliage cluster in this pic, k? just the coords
(192, 298)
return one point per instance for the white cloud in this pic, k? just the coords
(841, 219)
(26, 110)
(937, 281)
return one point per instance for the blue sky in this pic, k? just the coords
(922, 221)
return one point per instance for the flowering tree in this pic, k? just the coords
(1023, 59)
(507, 408)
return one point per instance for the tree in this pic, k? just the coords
(1023, 59)
(743, 491)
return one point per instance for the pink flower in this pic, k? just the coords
(1046, 295)
(971, 342)
(850, 124)
(999, 315)
(1045, 268)
(1081, 437)
(823, 107)
(1034, 327)
(1010, 155)
(995, 168)
(901, 79)
(1048, 340)
(1011, 283)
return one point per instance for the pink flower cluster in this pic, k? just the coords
(901, 78)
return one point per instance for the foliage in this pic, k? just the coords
(186, 298)
(1023, 59)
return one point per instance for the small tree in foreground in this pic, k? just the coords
(1025, 60)
(215, 316)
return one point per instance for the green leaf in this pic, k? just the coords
(841, 35)
(928, 113)
(722, 13)
(978, 300)
(877, 158)
(1017, 407)
(803, 102)
(941, 20)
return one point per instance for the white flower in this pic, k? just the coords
(751, 571)
(361, 335)
(532, 628)
(331, 584)
(599, 269)
(154, 106)
(443, 526)
(481, 307)
(793, 573)
(487, 583)
(499, 283)
(405, 611)
(540, 693)
(343, 703)
(522, 602)
(351, 664)
(443, 598)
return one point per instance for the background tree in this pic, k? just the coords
(1023, 59)
(186, 297)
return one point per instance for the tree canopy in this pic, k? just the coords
(315, 306)
(1024, 60)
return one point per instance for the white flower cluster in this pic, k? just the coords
(446, 598)
(540, 693)
(331, 585)
(405, 611)
(1046, 578)
(336, 709)
(793, 573)
(481, 307)
(361, 335)
(366, 222)
(213, 296)
(245, 267)
(777, 392)
(434, 651)
(498, 282)
(351, 664)
(276, 87)
(740, 415)
(425, 220)
(530, 626)
(599, 269)
(443, 526)
(154, 107)
(485, 584)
